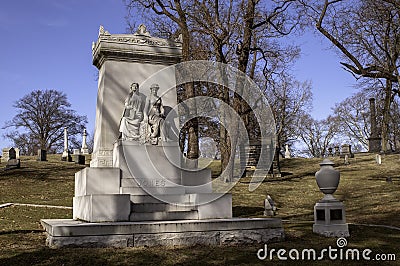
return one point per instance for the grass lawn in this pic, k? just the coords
(368, 197)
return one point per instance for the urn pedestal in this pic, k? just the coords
(329, 213)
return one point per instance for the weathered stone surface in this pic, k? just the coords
(13, 164)
(102, 208)
(238, 237)
(121, 60)
(177, 239)
(116, 241)
(97, 181)
(236, 231)
(333, 230)
(5, 156)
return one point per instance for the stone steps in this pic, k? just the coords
(159, 207)
(152, 190)
(164, 216)
(178, 198)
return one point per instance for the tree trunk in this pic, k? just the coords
(242, 66)
(193, 129)
(386, 115)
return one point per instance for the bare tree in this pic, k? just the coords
(367, 34)
(289, 100)
(40, 121)
(177, 12)
(317, 135)
(353, 117)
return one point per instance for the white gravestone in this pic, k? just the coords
(5, 157)
(65, 152)
(287, 152)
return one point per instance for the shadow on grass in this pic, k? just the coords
(57, 171)
(20, 232)
(246, 211)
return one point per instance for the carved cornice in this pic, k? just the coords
(140, 46)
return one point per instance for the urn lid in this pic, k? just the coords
(327, 162)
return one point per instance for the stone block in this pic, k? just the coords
(146, 162)
(197, 181)
(219, 208)
(152, 190)
(102, 207)
(330, 219)
(67, 232)
(164, 216)
(79, 159)
(42, 155)
(97, 181)
(5, 157)
(13, 164)
(159, 207)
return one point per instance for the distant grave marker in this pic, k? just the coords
(42, 155)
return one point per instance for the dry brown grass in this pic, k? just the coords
(368, 197)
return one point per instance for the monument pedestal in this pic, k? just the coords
(135, 205)
(73, 233)
(330, 219)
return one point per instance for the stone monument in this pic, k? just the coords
(287, 152)
(329, 213)
(346, 151)
(84, 149)
(136, 192)
(66, 155)
(5, 157)
(42, 155)
(374, 141)
(13, 162)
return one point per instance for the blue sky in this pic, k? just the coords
(46, 44)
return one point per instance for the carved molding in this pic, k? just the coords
(140, 37)
(137, 47)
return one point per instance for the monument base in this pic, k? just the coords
(330, 218)
(234, 231)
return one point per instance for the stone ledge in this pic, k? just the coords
(70, 227)
(68, 232)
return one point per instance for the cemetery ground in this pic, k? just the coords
(369, 191)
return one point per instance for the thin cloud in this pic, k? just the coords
(56, 23)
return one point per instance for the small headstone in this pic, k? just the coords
(12, 154)
(77, 151)
(5, 156)
(13, 164)
(346, 159)
(330, 153)
(337, 151)
(346, 150)
(269, 206)
(79, 159)
(378, 159)
(287, 152)
(42, 155)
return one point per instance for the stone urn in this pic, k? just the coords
(327, 179)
